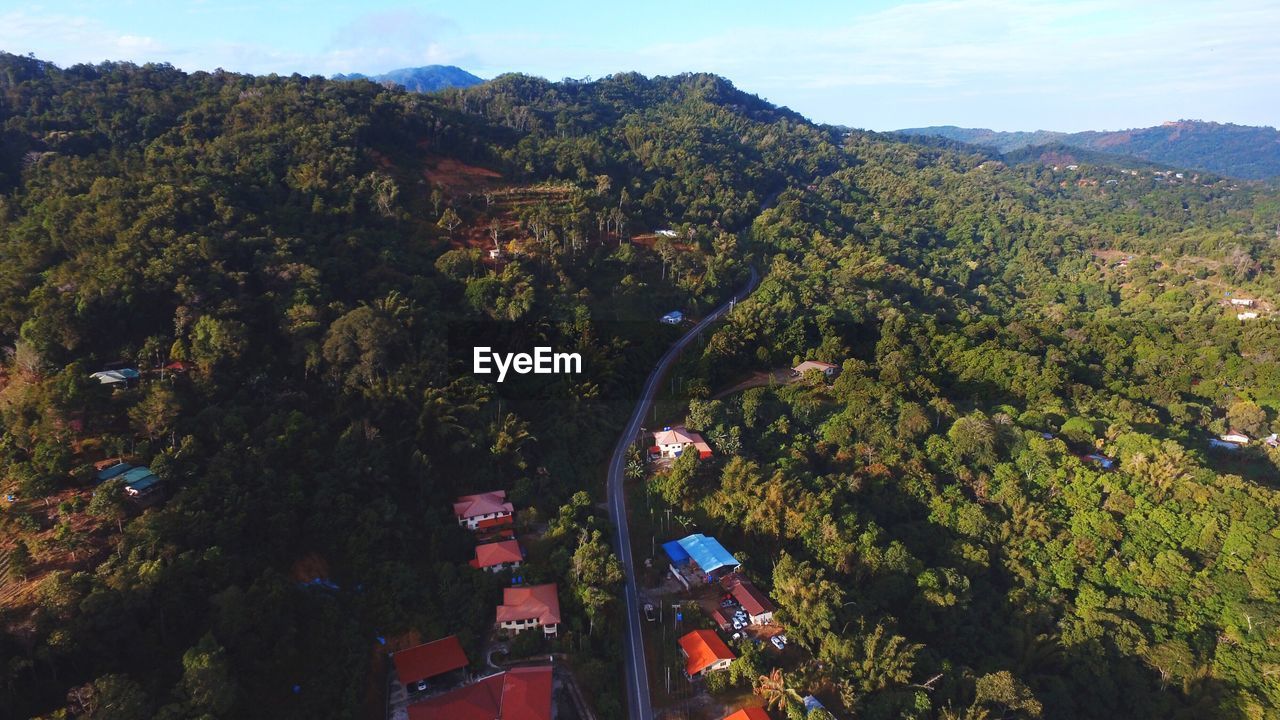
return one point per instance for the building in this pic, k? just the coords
(484, 511)
(758, 606)
(1242, 302)
(436, 662)
(675, 317)
(704, 652)
(721, 620)
(124, 377)
(1235, 437)
(518, 694)
(812, 703)
(1251, 315)
(666, 233)
(1272, 440)
(751, 713)
(700, 557)
(108, 469)
(827, 368)
(140, 481)
(670, 442)
(499, 556)
(1100, 460)
(529, 607)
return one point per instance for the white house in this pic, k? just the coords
(483, 510)
(1235, 436)
(1242, 302)
(528, 607)
(1247, 315)
(671, 441)
(827, 368)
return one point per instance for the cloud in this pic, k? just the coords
(376, 42)
(73, 39)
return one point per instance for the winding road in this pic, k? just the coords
(637, 671)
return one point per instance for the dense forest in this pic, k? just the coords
(292, 262)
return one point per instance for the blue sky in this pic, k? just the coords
(1004, 64)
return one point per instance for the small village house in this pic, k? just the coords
(827, 369)
(670, 442)
(704, 652)
(498, 556)
(698, 558)
(438, 663)
(751, 713)
(675, 317)
(528, 607)
(758, 606)
(1235, 437)
(523, 693)
(1251, 315)
(1242, 302)
(484, 510)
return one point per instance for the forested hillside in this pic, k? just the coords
(1240, 151)
(286, 260)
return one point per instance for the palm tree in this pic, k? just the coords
(635, 470)
(775, 690)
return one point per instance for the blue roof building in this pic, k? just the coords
(705, 552)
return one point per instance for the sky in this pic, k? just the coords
(877, 64)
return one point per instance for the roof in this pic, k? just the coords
(507, 551)
(482, 504)
(517, 694)
(495, 522)
(707, 552)
(719, 618)
(703, 648)
(808, 365)
(115, 377)
(812, 703)
(428, 660)
(751, 713)
(530, 601)
(675, 552)
(677, 435)
(751, 599)
(113, 471)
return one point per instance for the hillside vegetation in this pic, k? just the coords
(311, 251)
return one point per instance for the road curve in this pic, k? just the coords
(639, 704)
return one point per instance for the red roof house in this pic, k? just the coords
(499, 556)
(751, 713)
(529, 606)
(517, 694)
(704, 651)
(429, 660)
(674, 440)
(471, 510)
(758, 606)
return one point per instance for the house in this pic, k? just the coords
(1272, 440)
(1235, 436)
(758, 606)
(116, 379)
(522, 693)
(666, 233)
(705, 554)
(499, 556)
(672, 441)
(675, 317)
(438, 662)
(483, 511)
(1247, 315)
(721, 620)
(138, 481)
(1100, 460)
(110, 469)
(1242, 302)
(704, 652)
(751, 713)
(529, 607)
(827, 368)
(812, 703)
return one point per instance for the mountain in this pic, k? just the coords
(428, 78)
(299, 270)
(1241, 151)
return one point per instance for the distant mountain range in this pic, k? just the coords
(428, 78)
(1240, 151)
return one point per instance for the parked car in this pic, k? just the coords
(779, 641)
(727, 603)
(738, 624)
(648, 612)
(420, 685)
(736, 636)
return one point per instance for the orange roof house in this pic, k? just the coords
(529, 606)
(429, 660)
(498, 556)
(517, 694)
(704, 651)
(471, 510)
(673, 440)
(751, 713)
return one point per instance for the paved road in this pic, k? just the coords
(637, 671)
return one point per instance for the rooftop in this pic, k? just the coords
(678, 435)
(751, 713)
(482, 504)
(517, 694)
(428, 660)
(808, 365)
(751, 598)
(507, 551)
(707, 552)
(703, 648)
(530, 601)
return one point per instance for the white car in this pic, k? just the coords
(779, 641)
(738, 624)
